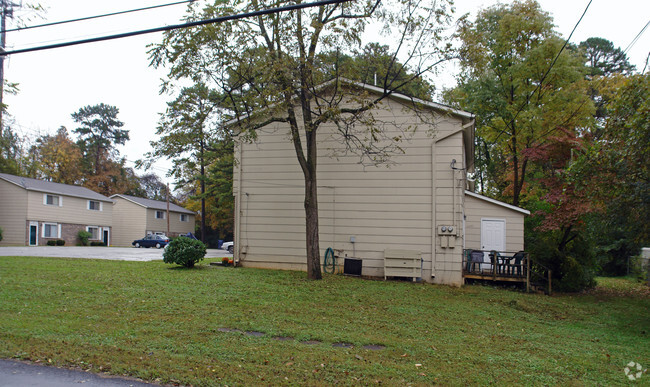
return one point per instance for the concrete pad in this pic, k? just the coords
(112, 253)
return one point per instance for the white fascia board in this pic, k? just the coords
(129, 200)
(498, 203)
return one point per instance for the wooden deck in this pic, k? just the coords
(504, 266)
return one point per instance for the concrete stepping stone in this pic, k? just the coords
(255, 333)
(228, 330)
(342, 345)
(283, 338)
(373, 347)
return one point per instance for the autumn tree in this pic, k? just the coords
(269, 69)
(11, 151)
(522, 86)
(616, 165)
(59, 158)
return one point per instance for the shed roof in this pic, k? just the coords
(154, 204)
(30, 184)
(498, 203)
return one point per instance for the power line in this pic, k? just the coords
(220, 19)
(539, 85)
(636, 38)
(95, 17)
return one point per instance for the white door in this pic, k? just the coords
(493, 237)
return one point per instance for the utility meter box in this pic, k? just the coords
(447, 230)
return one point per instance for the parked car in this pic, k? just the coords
(228, 246)
(152, 240)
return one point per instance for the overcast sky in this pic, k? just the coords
(56, 83)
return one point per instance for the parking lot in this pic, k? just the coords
(114, 253)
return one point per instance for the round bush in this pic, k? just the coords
(184, 251)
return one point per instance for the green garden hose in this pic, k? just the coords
(330, 261)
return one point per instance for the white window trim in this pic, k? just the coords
(99, 233)
(58, 196)
(101, 207)
(187, 217)
(58, 231)
(164, 214)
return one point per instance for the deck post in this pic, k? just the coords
(527, 274)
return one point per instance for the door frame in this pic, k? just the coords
(106, 235)
(29, 233)
(486, 253)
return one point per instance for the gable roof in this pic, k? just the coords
(154, 204)
(401, 97)
(30, 184)
(498, 203)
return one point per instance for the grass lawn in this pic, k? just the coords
(162, 323)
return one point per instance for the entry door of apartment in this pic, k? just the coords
(493, 237)
(33, 234)
(106, 237)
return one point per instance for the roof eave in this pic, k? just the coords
(498, 203)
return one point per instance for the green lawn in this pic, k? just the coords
(161, 323)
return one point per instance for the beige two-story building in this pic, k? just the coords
(135, 217)
(413, 217)
(33, 212)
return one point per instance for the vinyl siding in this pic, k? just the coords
(13, 214)
(175, 225)
(129, 222)
(477, 209)
(73, 211)
(385, 207)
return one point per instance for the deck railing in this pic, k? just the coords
(507, 267)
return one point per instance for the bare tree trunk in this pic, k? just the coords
(202, 161)
(311, 227)
(311, 206)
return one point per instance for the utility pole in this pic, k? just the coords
(6, 11)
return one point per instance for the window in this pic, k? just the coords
(51, 230)
(94, 205)
(160, 214)
(185, 218)
(52, 200)
(94, 232)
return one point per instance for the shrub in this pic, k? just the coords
(60, 242)
(51, 243)
(0, 234)
(83, 237)
(97, 243)
(184, 251)
(224, 261)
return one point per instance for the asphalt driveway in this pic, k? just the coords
(114, 253)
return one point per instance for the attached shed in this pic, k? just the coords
(493, 225)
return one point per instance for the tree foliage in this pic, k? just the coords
(59, 158)
(604, 59)
(99, 132)
(274, 62)
(521, 90)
